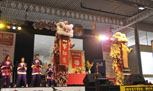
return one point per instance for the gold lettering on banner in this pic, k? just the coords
(64, 60)
(138, 89)
(64, 46)
(64, 53)
(64, 40)
(77, 62)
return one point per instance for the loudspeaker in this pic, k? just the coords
(90, 79)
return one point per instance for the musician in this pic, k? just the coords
(36, 71)
(21, 73)
(6, 68)
(50, 75)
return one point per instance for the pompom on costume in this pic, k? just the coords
(119, 54)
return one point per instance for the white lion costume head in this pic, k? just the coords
(65, 29)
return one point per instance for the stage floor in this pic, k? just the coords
(71, 88)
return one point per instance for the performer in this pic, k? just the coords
(6, 69)
(36, 71)
(119, 54)
(50, 76)
(21, 73)
(62, 45)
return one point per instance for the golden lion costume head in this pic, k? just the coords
(119, 37)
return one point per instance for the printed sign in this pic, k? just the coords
(137, 88)
(76, 57)
(99, 66)
(7, 45)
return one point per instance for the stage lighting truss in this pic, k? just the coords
(10, 27)
(2, 25)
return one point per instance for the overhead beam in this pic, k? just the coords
(147, 4)
(135, 19)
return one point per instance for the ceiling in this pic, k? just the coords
(148, 20)
(110, 8)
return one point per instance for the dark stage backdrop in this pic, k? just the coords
(24, 46)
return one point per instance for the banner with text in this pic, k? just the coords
(76, 57)
(136, 88)
(99, 66)
(77, 60)
(7, 45)
(64, 51)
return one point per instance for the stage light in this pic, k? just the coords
(19, 28)
(2, 25)
(8, 27)
(14, 27)
(107, 38)
(100, 37)
(141, 8)
(103, 37)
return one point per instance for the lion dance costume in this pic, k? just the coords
(62, 45)
(119, 54)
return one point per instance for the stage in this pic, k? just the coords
(82, 88)
(70, 88)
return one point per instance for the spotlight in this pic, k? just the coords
(2, 25)
(100, 37)
(14, 27)
(8, 27)
(107, 38)
(103, 37)
(141, 8)
(19, 28)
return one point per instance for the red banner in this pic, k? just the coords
(76, 57)
(64, 51)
